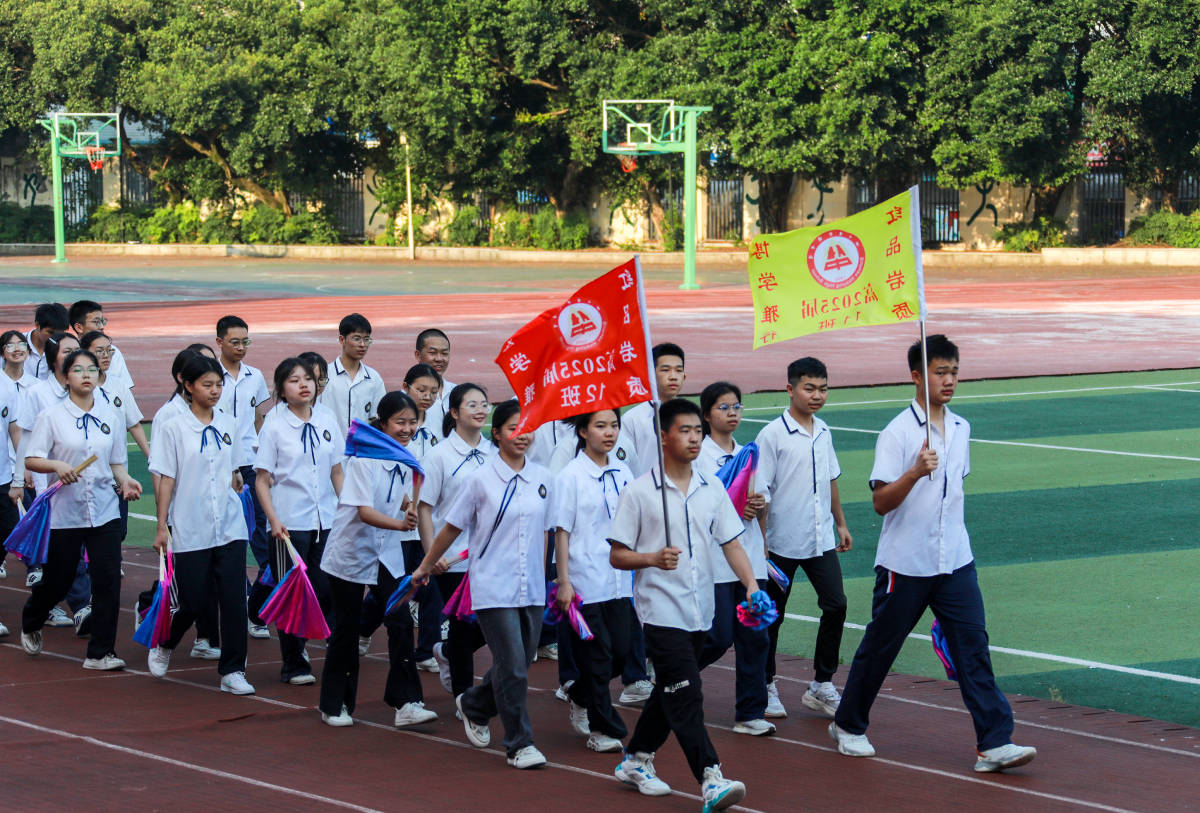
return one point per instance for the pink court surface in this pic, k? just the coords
(126, 741)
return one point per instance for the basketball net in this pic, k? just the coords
(628, 162)
(95, 157)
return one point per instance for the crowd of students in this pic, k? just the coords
(579, 502)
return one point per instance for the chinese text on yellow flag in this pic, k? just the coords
(864, 269)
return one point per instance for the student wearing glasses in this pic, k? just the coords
(86, 316)
(354, 389)
(48, 319)
(16, 352)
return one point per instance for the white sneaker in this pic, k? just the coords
(579, 718)
(478, 735)
(413, 713)
(31, 642)
(852, 745)
(236, 683)
(3, 630)
(636, 692)
(638, 770)
(364, 645)
(58, 618)
(158, 660)
(205, 651)
(429, 665)
(443, 667)
(339, 720)
(1004, 756)
(33, 577)
(3, 571)
(550, 653)
(257, 630)
(83, 621)
(561, 691)
(303, 680)
(774, 704)
(718, 792)
(822, 697)
(527, 757)
(602, 743)
(109, 663)
(755, 728)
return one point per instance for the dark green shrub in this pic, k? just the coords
(26, 224)
(220, 227)
(672, 237)
(262, 224)
(112, 224)
(465, 229)
(1045, 232)
(575, 230)
(1165, 229)
(514, 229)
(309, 228)
(545, 228)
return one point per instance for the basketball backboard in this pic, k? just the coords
(640, 126)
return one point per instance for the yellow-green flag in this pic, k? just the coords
(862, 270)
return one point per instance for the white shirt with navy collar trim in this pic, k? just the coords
(702, 521)
(568, 448)
(299, 456)
(585, 501)
(795, 470)
(10, 410)
(637, 425)
(926, 534)
(713, 457)
(447, 467)
(175, 406)
(241, 399)
(41, 397)
(35, 362)
(506, 514)
(65, 432)
(205, 511)
(352, 398)
(355, 549)
(423, 440)
(438, 409)
(121, 400)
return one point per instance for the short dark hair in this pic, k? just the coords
(427, 334)
(225, 323)
(354, 323)
(395, 401)
(51, 314)
(74, 354)
(316, 363)
(202, 349)
(91, 337)
(667, 349)
(807, 366)
(81, 309)
(937, 346)
(668, 412)
(503, 413)
(456, 398)
(181, 359)
(284, 371)
(709, 397)
(580, 423)
(195, 366)
(421, 370)
(52, 347)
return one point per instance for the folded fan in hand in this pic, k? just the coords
(737, 473)
(293, 606)
(554, 615)
(405, 590)
(30, 539)
(942, 649)
(459, 604)
(757, 613)
(155, 626)
(777, 575)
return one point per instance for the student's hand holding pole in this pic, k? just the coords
(666, 559)
(277, 529)
(926, 463)
(755, 503)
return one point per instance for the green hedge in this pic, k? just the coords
(545, 230)
(1165, 229)
(182, 223)
(1044, 232)
(26, 224)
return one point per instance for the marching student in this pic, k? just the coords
(48, 319)
(423, 384)
(721, 414)
(299, 468)
(433, 348)
(16, 351)
(364, 549)
(16, 381)
(113, 391)
(503, 506)
(585, 499)
(674, 600)
(10, 470)
(320, 367)
(200, 516)
(805, 526)
(463, 451)
(84, 512)
(638, 420)
(924, 560)
(86, 316)
(354, 389)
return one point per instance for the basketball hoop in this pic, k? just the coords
(95, 157)
(628, 162)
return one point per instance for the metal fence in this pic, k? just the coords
(341, 198)
(531, 202)
(83, 191)
(1187, 198)
(725, 209)
(1102, 202)
(136, 189)
(864, 193)
(672, 202)
(939, 211)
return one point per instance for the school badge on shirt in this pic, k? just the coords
(542, 491)
(4, 413)
(620, 454)
(117, 401)
(253, 401)
(225, 437)
(328, 437)
(104, 428)
(367, 408)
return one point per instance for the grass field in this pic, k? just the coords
(1082, 506)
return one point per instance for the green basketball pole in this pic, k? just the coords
(76, 135)
(56, 173)
(690, 114)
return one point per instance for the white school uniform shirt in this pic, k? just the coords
(447, 467)
(352, 398)
(67, 433)
(702, 520)
(637, 424)
(35, 362)
(568, 449)
(795, 470)
(299, 455)
(121, 400)
(438, 409)
(423, 440)
(355, 549)
(10, 405)
(241, 398)
(506, 514)
(24, 383)
(713, 457)
(44, 395)
(205, 511)
(118, 372)
(545, 439)
(175, 406)
(925, 535)
(585, 500)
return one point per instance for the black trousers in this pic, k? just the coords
(196, 573)
(8, 519)
(103, 546)
(462, 640)
(339, 678)
(677, 703)
(429, 607)
(825, 575)
(311, 546)
(600, 660)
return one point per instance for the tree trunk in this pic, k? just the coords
(276, 199)
(658, 215)
(568, 190)
(774, 194)
(1046, 200)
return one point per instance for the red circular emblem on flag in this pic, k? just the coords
(580, 324)
(836, 258)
